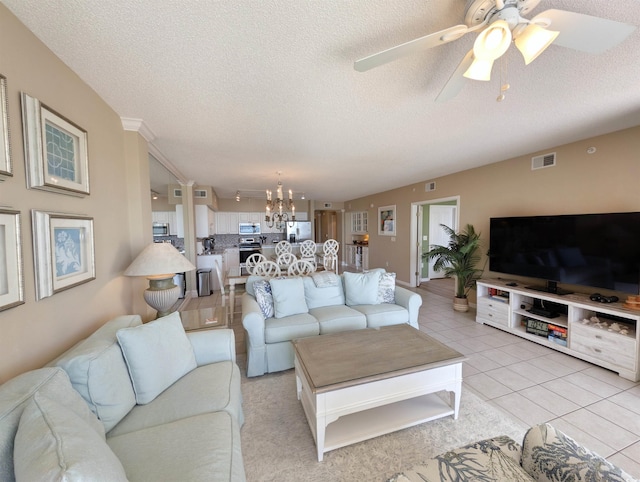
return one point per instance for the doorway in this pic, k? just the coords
(326, 225)
(426, 231)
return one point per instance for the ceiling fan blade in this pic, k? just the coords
(456, 82)
(413, 46)
(585, 32)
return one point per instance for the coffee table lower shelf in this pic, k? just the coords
(360, 426)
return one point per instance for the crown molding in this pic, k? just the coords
(138, 125)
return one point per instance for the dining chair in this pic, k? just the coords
(308, 250)
(283, 246)
(284, 260)
(267, 268)
(253, 260)
(301, 267)
(330, 255)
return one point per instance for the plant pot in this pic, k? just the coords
(461, 304)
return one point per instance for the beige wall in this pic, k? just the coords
(607, 181)
(35, 332)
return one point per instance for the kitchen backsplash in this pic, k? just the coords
(231, 240)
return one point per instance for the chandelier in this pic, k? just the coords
(276, 209)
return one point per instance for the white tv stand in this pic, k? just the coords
(601, 346)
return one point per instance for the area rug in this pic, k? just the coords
(277, 443)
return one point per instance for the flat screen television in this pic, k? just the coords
(592, 250)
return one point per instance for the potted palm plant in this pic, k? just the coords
(459, 258)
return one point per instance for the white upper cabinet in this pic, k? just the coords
(359, 221)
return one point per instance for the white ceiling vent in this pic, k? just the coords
(545, 160)
(177, 193)
(200, 193)
(430, 186)
(327, 205)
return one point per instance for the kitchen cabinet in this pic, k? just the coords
(166, 217)
(253, 218)
(231, 258)
(359, 222)
(179, 221)
(204, 221)
(226, 222)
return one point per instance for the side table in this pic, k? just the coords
(205, 319)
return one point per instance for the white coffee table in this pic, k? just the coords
(361, 384)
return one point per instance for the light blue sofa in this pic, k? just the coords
(352, 303)
(81, 418)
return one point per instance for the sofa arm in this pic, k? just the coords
(411, 301)
(547, 453)
(252, 319)
(212, 346)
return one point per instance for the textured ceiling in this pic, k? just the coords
(236, 90)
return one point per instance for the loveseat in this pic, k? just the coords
(546, 455)
(130, 402)
(278, 310)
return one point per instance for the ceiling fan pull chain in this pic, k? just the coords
(504, 84)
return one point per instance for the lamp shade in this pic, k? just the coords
(493, 41)
(159, 260)
(533, 41)
(480, 69)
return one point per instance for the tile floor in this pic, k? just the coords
(530, 382)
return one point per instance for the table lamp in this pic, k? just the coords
(159, 262)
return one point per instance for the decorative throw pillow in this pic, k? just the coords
(288, 297)
(157, 354)
(387, 288)
(53, 443)
(264, 297)
(361, 288)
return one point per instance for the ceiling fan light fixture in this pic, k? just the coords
(493, 41)
(533, 41)
(480, 69)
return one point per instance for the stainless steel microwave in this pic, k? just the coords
(249, 228)
(161, 229)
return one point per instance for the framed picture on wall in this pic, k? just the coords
(55, 150)
(5, 148)
(64, 254)
(11, 280)
(387, 220)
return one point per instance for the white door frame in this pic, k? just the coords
(415, 259)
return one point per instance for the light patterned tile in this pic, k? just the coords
(528, 370)
(574, 393)
(584, 438)
(500, 357)
(609, 377)
(551, 401)
(481, 362)
(602, 429)
(630, 465)
(487, 386)
(629, 399)
(509, 378)
(632, 453)
(594, 385)
(531, 413)
(615, 413)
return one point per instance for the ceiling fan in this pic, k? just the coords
(500, 22)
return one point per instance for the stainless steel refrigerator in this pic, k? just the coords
(300, 231)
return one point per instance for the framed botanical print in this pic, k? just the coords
(11, 279)
(5, 148)
(63, 251)
(387, 220)
(56, 152)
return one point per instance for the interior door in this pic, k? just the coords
(440, 214)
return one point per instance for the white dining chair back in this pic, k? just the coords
(330, 246)
(301, 267)
(284, 260)
(253, 260)
(330, 262)
(283, 246)
(308, 249)
(222, 278)
(267, 268)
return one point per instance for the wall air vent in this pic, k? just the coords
(200, 193)
(430, 186)
(327, 205)
(177, 193)
(545, 160)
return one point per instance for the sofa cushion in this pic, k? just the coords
(264, 297)
(551, 456)
(361, 288)
(326, 296)
(383, 314)
(16, 393)
(288, 297)
(53, 443)
(338, 318)
(291, 327)
(208, 388)
(495, 459)
(203, 447)
(387, 288)
(98, 372)
(157, 354)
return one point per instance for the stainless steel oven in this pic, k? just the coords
(247, 247)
